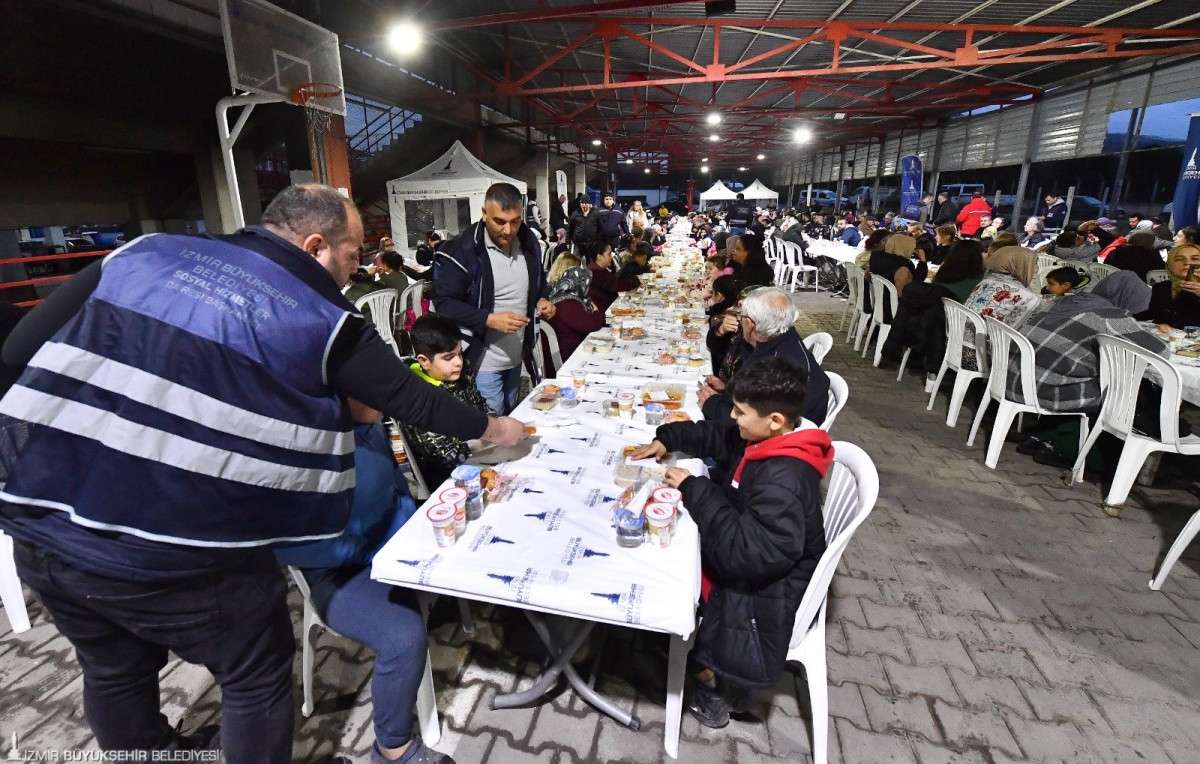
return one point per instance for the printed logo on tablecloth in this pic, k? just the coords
(590, 441)
(610, 458)
(424, 567)
(542, 449)
(486, 537)
(629, 602)
(577, 551)
(521, 586)
(552, 520)
(596, 496)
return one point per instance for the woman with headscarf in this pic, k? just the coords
(751, 267)
(895, 264)
(1176, 303)
(575, 316)
(1004, 293)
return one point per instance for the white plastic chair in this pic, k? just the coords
(1181, 542)
(1097, 271)
(819, 344)
(1042, 245)
(849, 497)
(839, 393)
(427, 713)
(957, 317)
(1122, 366)
(382, 304)
(1048, 261)
(1003, 339)
(411, 299)
(1155, 276)
(881, 329)
(12, 596)
(798, 270)
(862, 316)
(854, 280)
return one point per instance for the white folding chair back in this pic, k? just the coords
(12, 596)
(798, 270)
(1042, 245)
(1122, 366)
(879, 288)
(1098, 272)
(412, 297)
(1003, 340)
(850, 495)
(839, 393)
(539, 352)
(957, 318)
(854, 281)
(1048, 261)
(427, 713)
(862, 315)
(1155, 276)
(819, 344)
(382, 304)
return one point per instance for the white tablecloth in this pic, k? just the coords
(836, 250)
(551, 546)
(1189, 375)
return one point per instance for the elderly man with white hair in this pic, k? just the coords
(768, 327)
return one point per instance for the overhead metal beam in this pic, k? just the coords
(546, 13)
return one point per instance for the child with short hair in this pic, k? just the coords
(1062, 281)
(761, 535)
(439, 361)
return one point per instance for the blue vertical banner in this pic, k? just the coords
(1185, 208)
(911, 182)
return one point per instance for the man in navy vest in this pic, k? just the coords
(186, 406)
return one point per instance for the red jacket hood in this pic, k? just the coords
(812, 447)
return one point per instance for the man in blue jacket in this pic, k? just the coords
(611, 222)
(490, 282)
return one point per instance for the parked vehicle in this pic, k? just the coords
(824, 200)
(889, 196)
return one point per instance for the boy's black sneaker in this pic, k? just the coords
(417, 753)
(709, 708)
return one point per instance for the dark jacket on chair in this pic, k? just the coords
(761, 537)
(789, 345)
(920, 324)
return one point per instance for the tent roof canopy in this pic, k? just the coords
(757, 190)
(717, 192)
(453, 173)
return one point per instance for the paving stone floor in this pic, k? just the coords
(979, 616)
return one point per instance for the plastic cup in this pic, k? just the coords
(445, 529)
(660, 519)
(667, 495)
(625, 403)
(654, 413)
(579, 381)
(467, 476)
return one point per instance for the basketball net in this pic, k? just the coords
(317, 122)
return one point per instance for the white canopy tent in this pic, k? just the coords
(718, 192)
(757, 192)
(446, 194)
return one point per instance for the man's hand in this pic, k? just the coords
(504, 431)
(506, 322)
(675, 476)
(715, 383)
(728, 325)
(704, 393)
(546, 309)
(1190, 286)
(654, 450)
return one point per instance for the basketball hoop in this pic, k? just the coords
(310, 97)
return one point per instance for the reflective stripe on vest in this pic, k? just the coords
(186, 402)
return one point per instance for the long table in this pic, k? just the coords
(548, 546)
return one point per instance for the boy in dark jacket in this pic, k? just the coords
(761, 534)
(439, 361)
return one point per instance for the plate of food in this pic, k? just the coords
(671, 417)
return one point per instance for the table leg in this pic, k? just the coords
(676, 665)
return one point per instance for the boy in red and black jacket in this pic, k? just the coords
(761, 535)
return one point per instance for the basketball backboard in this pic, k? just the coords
(274, 52)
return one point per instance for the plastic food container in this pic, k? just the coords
(567, 398)
(667, 495)
(441, 517)
(625, 403)
(454, 496)
(660, 519)
(467, 476)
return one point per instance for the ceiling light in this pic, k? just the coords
(405, 38)
(802, 135)
(714, 137)
(761, 157)
(741, 169)
(703, 160)
(704, 169)
(628, 161)
(839, 115)
(713, 118)
(596, 141)
(647, 171)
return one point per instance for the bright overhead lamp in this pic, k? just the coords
(704, 169)
(713, 118)
(802, 135)
(405, 38)
(628, 161)
(761, 157)
(714, 137)
(839, 115)
(703, 160)
(647, 170)
(741, 169)
(596, 141)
